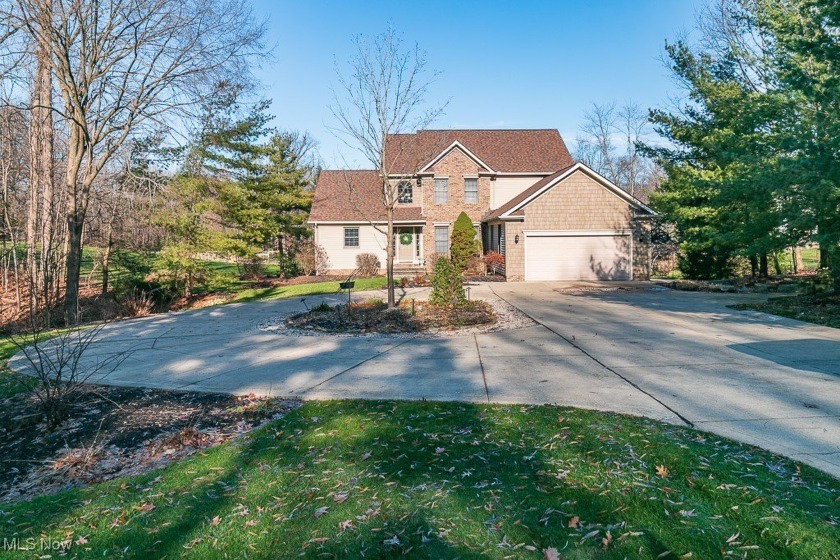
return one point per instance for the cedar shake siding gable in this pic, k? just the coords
(514, 206)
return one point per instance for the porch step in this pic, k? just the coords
(408, 270)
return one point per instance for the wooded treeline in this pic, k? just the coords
(752, 151)
(132, 124)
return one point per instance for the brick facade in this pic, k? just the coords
(523, 163)
(456, 165)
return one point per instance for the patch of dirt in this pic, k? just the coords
(782, 284)
(486, 278)
(410, 316)
(584, 290)
(823, 309)
(506, 317)
(117, 431)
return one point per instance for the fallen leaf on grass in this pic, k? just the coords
(215, 521)
(340, 497)
(574, 521)
(344, 525)
(661, 471)
(550, 554)
(320, 511)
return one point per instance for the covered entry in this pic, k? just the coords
(578, 255)
(408, 244)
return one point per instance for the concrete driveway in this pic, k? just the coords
(675, 356)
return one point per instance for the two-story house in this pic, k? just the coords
(551, 218)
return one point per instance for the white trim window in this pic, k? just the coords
(441, 190)
(471, 190)
(351, 237)
(405, 192)
(441, 239)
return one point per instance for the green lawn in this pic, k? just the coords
(300, 290)
(810, 259)
(440, 480)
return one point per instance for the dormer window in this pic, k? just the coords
(405, 192)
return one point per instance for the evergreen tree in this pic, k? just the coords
(464, 243)
(751, 157)
(260, 177)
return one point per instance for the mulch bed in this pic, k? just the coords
(116, 431)
(410, 317)
(485, 278)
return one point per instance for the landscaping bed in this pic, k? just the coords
(819, 309)
(785, 284)
(117, 432)
(410, 316)
(356, 479)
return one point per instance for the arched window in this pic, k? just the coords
(405, 192)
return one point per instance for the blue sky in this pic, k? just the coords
(515, 64)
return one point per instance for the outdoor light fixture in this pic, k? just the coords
(516, 238)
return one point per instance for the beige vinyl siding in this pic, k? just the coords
(504, 189)
(331, 238)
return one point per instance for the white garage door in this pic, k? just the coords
(560, 256)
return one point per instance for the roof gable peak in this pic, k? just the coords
(452, 146)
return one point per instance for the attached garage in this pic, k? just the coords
(591, 255)
(573, 225)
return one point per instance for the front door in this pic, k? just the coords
(405, 245)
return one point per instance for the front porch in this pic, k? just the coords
(408, 250)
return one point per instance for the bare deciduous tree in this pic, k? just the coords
(609, 144)
(121, 67)
(384, 94)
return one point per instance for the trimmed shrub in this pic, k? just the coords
(288, 266)
(447, 287)
(368, 264)
(464, 243)
(311, 257)
(494, 262)
(253, 269)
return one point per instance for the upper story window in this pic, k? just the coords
(441, 191)
(351, 237)
(405, 192)
(471, 190)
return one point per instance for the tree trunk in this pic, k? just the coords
(824, 254)
(753, 266)
(38, 226)
(764, 270)
(75, 225)
(76, 198)
(776, 264)
(796, 259)
(109, 243)
(106, 255)
(389, 259)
